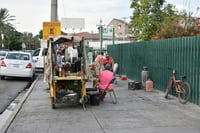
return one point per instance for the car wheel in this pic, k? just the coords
(2, 77)
(32, 78)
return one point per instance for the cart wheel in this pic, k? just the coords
(83, 101)
(53, 106)
(84, 106)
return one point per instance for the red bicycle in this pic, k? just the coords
(182, 88)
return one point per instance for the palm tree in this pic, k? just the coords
(5, 23)
(36, 42)
(28, 39)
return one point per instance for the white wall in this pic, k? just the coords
(97, 45)
(43, 43)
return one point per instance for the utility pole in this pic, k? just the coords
(54, 6)
(101, 33)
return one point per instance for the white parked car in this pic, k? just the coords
(38, 57)
(18, 64)
(29, 51)
(2, 56)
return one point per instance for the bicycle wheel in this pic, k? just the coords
(184, 94)
(169, 86)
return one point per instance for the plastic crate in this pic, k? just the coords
(132, 85)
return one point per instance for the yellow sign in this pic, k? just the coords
(51, 29)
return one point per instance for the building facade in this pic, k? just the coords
(121, 28)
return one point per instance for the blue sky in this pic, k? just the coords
(31, 13)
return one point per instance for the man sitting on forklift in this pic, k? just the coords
(105, 77)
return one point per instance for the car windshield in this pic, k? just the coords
(18, 56)
(36, 52)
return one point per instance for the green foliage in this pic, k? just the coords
(185, 27)
(5, 20)
(177, 24)
(31, 42)
(150, 15)
(41, 34)
(36, 40)
(146, 15)
(6, 25)
(13, 41)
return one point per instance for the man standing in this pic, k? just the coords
(98, 62)
(99, 58)
(90, 56)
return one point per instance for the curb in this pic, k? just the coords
(18, 107)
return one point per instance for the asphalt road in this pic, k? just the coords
(9, 89)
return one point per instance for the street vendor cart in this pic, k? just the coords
(66, 70)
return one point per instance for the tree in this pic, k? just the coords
(36, 40)
(14, 42)
(28, 39)
(185, 27)
(146, 15)
(5, 24)
(41, 34)
(180, 25)
(32, 42)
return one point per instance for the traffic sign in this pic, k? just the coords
(51, 29)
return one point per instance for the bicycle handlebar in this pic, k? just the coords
(174, 71)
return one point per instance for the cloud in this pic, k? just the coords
(88, 8)
(91, 10)
(181, 8)
(31, 13)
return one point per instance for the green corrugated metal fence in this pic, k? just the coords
(179, 53)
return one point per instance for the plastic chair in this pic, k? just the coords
(111, 92)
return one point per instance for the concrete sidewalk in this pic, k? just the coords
(136, 112)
